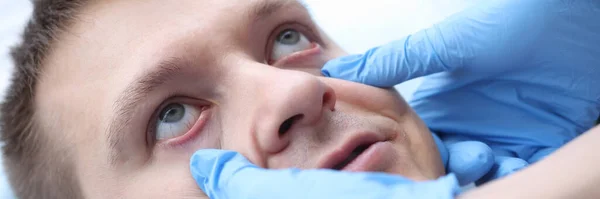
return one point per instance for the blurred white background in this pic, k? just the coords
(356, 25)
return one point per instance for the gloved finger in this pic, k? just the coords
(508, 165)
(469, 160)
(227, 174)
(490, 36)
(478, 36)
(442, 149)
(503, 166)
(541, 154)
(387, 65)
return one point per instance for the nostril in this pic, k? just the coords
(287, 124)
(329, 100)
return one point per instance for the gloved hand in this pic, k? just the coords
(468, 160)
(474, 161)
(229, 175)
(521, 76)
(492, 36)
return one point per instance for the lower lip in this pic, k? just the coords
(372, 158)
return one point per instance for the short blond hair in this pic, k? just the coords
(36, 168)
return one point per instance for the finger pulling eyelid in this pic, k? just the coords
(304, 27)
(192, 133)
(301, 57)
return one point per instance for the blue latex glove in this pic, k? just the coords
(474, 161)
(229, 175)
(520, 76)
(468, 160)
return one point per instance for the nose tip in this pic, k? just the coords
(312, 113)
(291, 106)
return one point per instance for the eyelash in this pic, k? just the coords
(151, 129)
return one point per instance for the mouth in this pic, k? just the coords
(353, 155)
(360, 153)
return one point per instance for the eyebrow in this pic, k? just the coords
(133, 94)
(265, 9)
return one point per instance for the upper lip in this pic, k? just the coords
(339, 154)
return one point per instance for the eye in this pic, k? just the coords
(175, 120)
(287, 42)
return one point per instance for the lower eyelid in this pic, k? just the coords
(305, 30)
(191, 134)
(308, 58)
(282, 50)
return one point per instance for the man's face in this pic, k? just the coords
(136, 87)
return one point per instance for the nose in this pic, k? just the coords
(290, 101)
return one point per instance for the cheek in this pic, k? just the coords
(417, 145)
(236, 121)
(316, 71)
(422, 145)
(167, 180)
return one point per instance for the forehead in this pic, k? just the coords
(128, 37)
(115, 30)
(156, 23)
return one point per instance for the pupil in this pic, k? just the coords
(289, 37)
(172, 113)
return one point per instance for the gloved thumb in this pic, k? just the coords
(503, 166)
(469, 160)
(229, 175)
(211, 168)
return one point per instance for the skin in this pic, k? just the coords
(219, 60)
